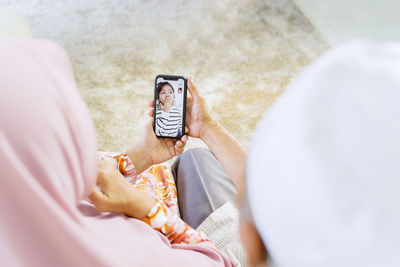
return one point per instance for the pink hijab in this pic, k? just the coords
(48, 166)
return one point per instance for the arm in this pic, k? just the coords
(232, 156)
(188, 247)
(134, 204)
(162, 219)
(229, 152)
(121, 197)
(115, 169)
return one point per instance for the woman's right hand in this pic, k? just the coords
(198, 117)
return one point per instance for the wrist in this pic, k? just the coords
(207, 130)
(140, 158)
(139, 204)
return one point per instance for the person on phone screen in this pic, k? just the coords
(168, 116)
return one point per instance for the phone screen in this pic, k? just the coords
(170, 106)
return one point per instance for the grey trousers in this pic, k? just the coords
(202, 184)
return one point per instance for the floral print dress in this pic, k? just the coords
(159, 183)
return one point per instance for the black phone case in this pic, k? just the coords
(170, 77)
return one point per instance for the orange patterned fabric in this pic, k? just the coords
(159, 183)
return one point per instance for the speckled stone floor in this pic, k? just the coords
(242, 54)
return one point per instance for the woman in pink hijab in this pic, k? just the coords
(48, 167)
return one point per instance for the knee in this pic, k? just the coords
(192, 159)
(195, 153)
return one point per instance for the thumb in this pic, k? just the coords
(192, 87)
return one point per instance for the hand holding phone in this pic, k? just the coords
(169, 106)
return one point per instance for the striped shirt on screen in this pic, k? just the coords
(169, 123)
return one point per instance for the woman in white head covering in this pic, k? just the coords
(323, 168)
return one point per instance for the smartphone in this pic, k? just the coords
(169, 106)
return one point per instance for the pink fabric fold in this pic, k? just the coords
(48, 166)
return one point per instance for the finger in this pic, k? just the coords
(179, 144)
(98, 199)
(184, 139)
(179, 147)
(189, 101)
(186, 129)
(151, 112)
(192, 88)
(170, 146)
(151, 103)
(102, 180)
(178, 150)
(95, 195)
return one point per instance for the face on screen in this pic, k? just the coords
(169, 101)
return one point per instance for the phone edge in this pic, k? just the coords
(184, 104)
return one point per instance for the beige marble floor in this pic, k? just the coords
(243, 54)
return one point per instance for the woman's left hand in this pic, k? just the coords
(152, 150)
(117, 195)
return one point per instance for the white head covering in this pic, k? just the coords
(324, 164)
